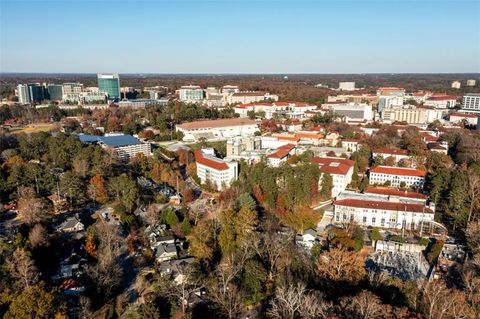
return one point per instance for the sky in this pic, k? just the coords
(240, 36)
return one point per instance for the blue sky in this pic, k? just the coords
(243, 36)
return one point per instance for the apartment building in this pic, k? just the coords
(217, 129)
(215, 170)
(238, 145)
(384, 211)
(340, 169)
(396, 175)
(412, 114)
(191, 93)
(351, 111)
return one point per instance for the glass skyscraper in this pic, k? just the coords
(110, 84)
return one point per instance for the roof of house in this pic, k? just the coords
(392, 151)
(216, 123)
(69, 223)
(395, 206)
(112, 141)
(288, 138)
(314, 135)
(210, 161)
(391, 170)
(395, 192)
(334, 165)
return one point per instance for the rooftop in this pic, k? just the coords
(391, 170)
(112, 141)
(216, 123)
(392, 151)
(395, 192)
(210, 161)
(395, 206)
(334, 165)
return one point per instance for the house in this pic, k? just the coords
(397, 176)
(57, 201)
(221, 173)
(71, 225)
(340, 169)
(307, 239)
(282, 154)
(165, 252)
(384, 211)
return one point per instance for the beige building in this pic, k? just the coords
(236, 146)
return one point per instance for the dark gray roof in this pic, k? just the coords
(112, 141)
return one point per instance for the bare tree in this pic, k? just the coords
(84, 306)
(228, 298)
(31, 208)
(341, 266)
(287, 302)
(314, 306)
(365, 305)
(440, 302)
(38, 236)
(22, 268)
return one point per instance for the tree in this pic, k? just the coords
(301, 219)
(327, 186)
(124, 189)
(71, 186)
(341, 266)
(246, 201)
(97, 190)
(200, 241)
(22, 268)
(38, 236)
(33, 302)
(31, 208)
(169, 217)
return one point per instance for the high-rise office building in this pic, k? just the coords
(110, 84)
(55, 92)
(37, 92)
(23, 94)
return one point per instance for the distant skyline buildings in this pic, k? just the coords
(268, 36)
(110, 84)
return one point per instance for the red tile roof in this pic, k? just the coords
(282, 151)
(288, 138)
(392, 151)
(398, 171)
(215, 164)
(249, 94)
(442, 98)
(334, 165)
(215, 123)
(395, 206)
(465, 115)
(394, 192)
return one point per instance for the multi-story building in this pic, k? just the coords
(156, 92)
(351, 111)
(92, 97)
(215, 170)
(390, 91)
(137, 104)
(230, 89)
(110, 84)
(237, 145)
(385, 102)
(340, 169)
(409, 114)
(351, 144)
(55, 92)
(23, 94)
(71, 92)
(281, 154)
(31, 93)
(441, 101)
(471, 82)
(384, 211)
(469, 119)
(410, 177)
(346, 86)
(250, 97)
(217, 129)
(396, 154)
(471, 102)
(191, 93)
(456, 84)
(126, 146)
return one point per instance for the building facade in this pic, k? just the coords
(126, 146)
(191, 93)
(384, 211)
(215, 170)
(217, 129)
(340, 169)
(471, 102)
(410, 177)
(346, 86)
(110, 84)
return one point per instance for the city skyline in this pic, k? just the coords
(240, 37)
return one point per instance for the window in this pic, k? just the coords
(364, 220)
(373, 220)
(383, 222)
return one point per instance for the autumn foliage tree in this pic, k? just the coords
(97, 190)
